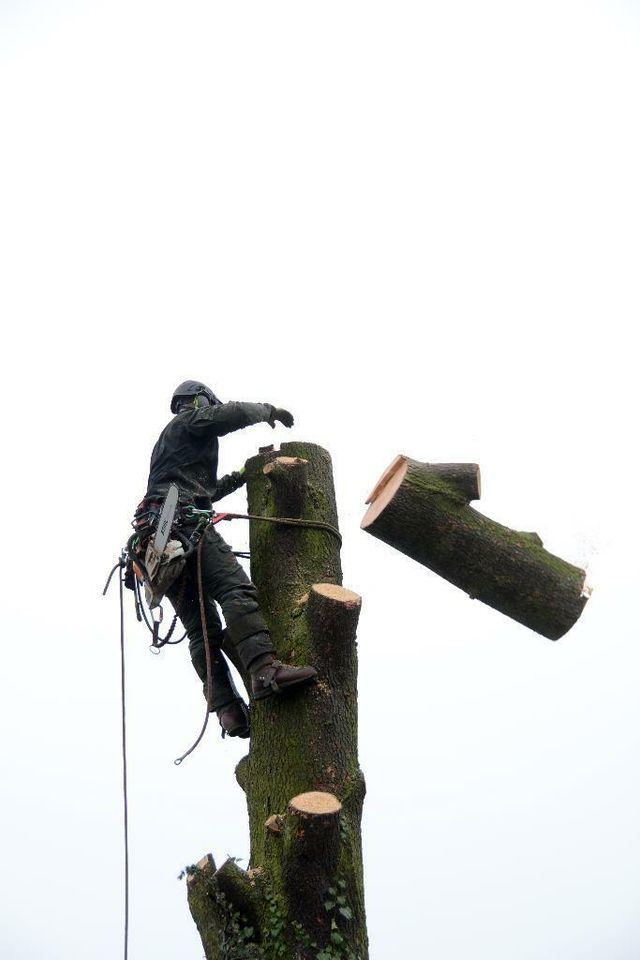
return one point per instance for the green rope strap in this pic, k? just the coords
(290, 521)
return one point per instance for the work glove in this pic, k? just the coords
(283, 416)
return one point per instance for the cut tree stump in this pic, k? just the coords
(302, 782)
(422, 509)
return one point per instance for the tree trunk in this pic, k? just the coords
(423, 510)
(303, 896)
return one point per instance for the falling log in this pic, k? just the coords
(422, 510)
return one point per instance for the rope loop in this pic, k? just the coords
(288, 521)
(207, 652)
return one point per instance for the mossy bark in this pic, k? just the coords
(307, 897)
(428, 518)
(222, 905)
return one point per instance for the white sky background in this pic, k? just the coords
(416, 226)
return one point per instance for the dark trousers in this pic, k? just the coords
(223, 582)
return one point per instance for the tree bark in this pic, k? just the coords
(423, 511)
(222, 905)
(303, 896)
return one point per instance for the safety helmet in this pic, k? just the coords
(192, 388)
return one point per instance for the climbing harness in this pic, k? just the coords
(166, 549)
(158, 533)
(167, 532)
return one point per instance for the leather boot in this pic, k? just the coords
(234, 719)
(274, 677)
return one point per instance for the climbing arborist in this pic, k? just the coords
(187, 454)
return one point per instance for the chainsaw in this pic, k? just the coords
(165, 556)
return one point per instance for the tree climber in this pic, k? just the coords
(187, 454)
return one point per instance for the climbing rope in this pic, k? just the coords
(120, 565)
(141, 614)
(290, 521)
(125, 803)
(207, 653)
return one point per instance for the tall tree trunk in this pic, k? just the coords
(422, 509)
(303, 895)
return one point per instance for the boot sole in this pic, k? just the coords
(284, 690)
(242, 732)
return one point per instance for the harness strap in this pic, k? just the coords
(193, 512)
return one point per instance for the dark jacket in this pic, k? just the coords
(187, 450)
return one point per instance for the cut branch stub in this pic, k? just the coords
(310, 857)
(204, 867)
(423, 511)
(222, 902)
(235, 884)
(203, 907)
(289, 476)
(459, 480)
(332, 615)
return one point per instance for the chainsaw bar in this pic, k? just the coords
(165, 523)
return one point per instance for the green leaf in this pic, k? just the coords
(329, 905)
(341, 901)
(346, 913)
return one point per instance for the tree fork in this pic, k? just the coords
(223, 905)
(304, 745)
(422, 510)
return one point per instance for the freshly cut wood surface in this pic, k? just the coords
(316, 803)
(392, 478)
(340, 594)
(286, 462)
(462, 479)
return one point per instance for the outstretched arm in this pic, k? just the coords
(227, 417)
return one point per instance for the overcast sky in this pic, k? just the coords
(416, 226)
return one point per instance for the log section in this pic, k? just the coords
(423, 511)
